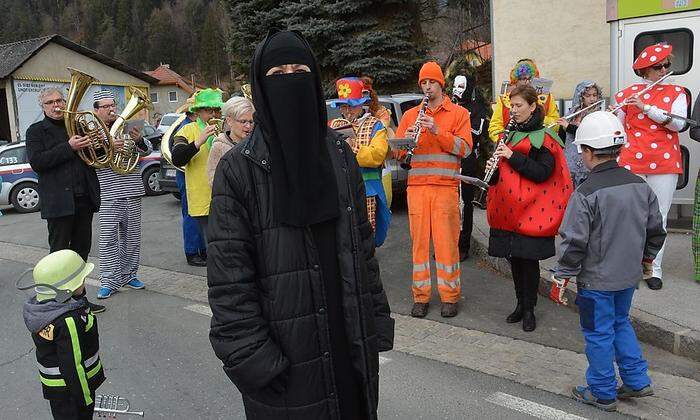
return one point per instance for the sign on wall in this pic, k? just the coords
(27, 97)
(626, 9)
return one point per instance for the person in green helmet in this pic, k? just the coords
(65, 334)
(190, 151)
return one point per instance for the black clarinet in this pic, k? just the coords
(406, 164)
(480, 199)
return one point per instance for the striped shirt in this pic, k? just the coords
(114, 186)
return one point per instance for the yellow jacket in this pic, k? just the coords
(374, 154)
(497, 125)
(196, 176)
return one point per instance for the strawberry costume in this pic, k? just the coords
(525, 206)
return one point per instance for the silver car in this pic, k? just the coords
(397, 104)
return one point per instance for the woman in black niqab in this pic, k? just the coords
(291, 112)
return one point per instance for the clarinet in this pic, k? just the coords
(406, 164)
(479, 201)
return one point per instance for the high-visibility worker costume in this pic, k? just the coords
(64, 331)
(524, 69)
(371, 148)
(433, 193)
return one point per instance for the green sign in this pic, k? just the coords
(625, 9)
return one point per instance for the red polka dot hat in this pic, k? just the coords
(652, 55)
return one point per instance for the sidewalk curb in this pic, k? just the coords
(651, 329)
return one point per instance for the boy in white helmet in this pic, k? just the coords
(65, 334)
(612, 219)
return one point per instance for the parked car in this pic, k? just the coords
(166, 121)
(397, 104)
(19, 181)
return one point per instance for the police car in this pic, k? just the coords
(18, 183)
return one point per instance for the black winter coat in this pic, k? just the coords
(266, 290)
(57, 165)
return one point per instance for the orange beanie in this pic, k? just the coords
(431, 70)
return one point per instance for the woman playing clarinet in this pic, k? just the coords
(652, 150)
(527, 199)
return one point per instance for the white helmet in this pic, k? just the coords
(600, 130)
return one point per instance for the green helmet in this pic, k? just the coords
(64, 270)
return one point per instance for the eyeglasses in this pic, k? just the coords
(246, 122)
(55, 102)
(658, 67)
(107, 106)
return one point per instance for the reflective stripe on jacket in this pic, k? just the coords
(437, 157)
(67, 353)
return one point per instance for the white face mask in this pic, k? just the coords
(460, 85)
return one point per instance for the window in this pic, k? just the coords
(682, 41)
(13, 156)
(154, 97)
(172, 96)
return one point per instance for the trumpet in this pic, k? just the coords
(479, 201)
(218, 123)
(406, 164)
(114, 405)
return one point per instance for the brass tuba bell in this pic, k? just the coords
(98, 153)
(124, 161)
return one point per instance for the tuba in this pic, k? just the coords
(124, 161)
(98, 153)
(165, 143)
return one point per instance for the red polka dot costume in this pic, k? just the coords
(650, 147)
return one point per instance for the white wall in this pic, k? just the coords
(569, 40)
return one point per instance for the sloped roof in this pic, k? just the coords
(15, 54)
(167, 76)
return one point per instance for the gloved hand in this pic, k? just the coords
(647, 269)
(556, 293)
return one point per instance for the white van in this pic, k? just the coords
(628, 38)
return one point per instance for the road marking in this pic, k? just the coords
(383, 360)
(529, 407)
(200, 309)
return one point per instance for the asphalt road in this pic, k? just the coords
(156, 353)
(487, 296)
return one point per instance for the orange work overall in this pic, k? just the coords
(433, 198)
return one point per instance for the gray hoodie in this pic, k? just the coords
(38, 315)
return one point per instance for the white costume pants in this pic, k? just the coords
(663, 185)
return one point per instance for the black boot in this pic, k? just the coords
(516, 316)
(529, 322)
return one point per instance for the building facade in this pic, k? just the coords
(27, 67)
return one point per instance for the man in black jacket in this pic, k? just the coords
(299, 311)
(69, 190)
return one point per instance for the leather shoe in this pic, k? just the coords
(420, 310)
(196, 261)
(529, 322)
(516, 315)
(654, 283)
(448, 310)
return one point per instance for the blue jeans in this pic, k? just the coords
(191, 236)
(610, 338)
